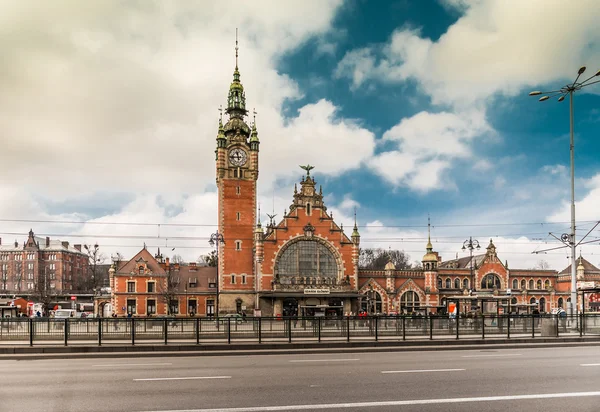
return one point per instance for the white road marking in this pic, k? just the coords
(111, 365)
(183, 378)
(492, 356)
(590, 364)
(322, 360)
(424, 370)
(390, 403)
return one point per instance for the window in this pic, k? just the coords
(141, 270)
(465, 283)
(448, 283)
(439, 283)
(131, 287)
(490, 281)
(210, 307)
(513, 301)
(238, 245)
(236, 173)
(531, 283)
(30, 266)
(409, 301)
(238, 216)
(372, 302)
(560, 302)
(237, 190)
(30, 276)
(306, 258)
(151, 287)
(233, 279)
(192, 307)
(131, 306)
(523, 284)
(308, 209)
(538, 284)
(243, 279)
(30, 285)
(515, 284)
(542, 305)
(151, 307)
(457, 283)
(546, 284)
(174, 307)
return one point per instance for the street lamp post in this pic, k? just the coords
(569, 239)
(471, 244)
(216, 239)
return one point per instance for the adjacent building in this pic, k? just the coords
(41, 265)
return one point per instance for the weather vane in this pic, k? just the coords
(308, 168)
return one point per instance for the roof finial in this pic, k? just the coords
(254, 113)
(429, 245)
(259, 215)
(236, 48)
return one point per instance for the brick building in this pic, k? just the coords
(149, 285)
(304, 264)
(40, 263)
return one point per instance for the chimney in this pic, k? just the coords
(78, 247)
(65, 244)
(0, 241)
(47, 241)
(167, 262)
(16, 244)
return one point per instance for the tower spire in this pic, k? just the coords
(429, 245)
(355, 233)
(236, 100)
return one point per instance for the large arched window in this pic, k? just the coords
(523, 284)
(530, 283)
(490, 281)
(408, 301)
(465, 283)
(448, 283)
(371, 302)
(307, 258)
(457, 283)
(515, 284)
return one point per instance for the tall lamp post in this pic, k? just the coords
(471, 244)
(215, 240)
(569, 239)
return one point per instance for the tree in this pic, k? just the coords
(44, 289)
(542, 265)
(177, 259)
(169, 287)
(377, 258)
(93, 278)
(210, 259)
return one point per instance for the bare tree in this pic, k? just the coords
(44, 289)
(177, 259)
(169, 287)
(376, 259)
(542, 265)
(92, 279)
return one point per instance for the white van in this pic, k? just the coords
(65, 313)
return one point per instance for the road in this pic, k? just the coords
(453, 380)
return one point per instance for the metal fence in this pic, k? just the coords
(313, 329)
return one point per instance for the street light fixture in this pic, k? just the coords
(569, 239)
(471, 244)
(215, 240)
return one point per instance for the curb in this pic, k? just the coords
(121, 351)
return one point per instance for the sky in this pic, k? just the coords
(409, 110)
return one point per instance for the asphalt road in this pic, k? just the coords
(485, 380)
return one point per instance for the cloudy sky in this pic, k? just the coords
(109, 111)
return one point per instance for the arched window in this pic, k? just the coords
(532, 301)
(523, 284)
(448, 283)
(409, 301)
(515, 284)
(560, 302)
(546, 284)
(308, 258)
(490, 281)
(457, 283)
(141, 270)
(542, 305)
(539, 284)
(372, 302)
(513, 301)
(531, 284)
(439, 283)
(465, 283)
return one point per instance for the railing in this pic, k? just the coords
(309, 329)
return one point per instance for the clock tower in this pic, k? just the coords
(237, 173)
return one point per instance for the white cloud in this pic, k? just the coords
(496, 46)
(427, 145)
(482, 165)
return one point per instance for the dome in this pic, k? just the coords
(236, 123)
(390, 266)
(430, 257)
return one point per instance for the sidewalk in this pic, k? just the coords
(117, 349)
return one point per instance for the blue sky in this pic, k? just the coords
(408, 109)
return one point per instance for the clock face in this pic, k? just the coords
(237, 157)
